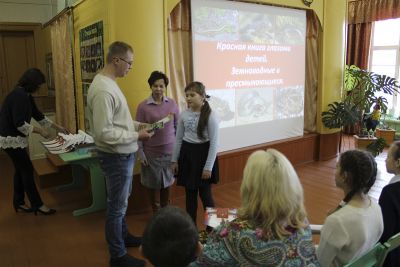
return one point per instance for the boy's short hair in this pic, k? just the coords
(170, 239)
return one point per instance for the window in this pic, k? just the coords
(385, 55)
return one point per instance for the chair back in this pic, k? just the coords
(373, 258)
(393, 242)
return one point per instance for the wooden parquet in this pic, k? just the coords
(64, 241)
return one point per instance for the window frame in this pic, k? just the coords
(396, 98)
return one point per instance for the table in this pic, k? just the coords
(88, 160)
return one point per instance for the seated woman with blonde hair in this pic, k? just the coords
(271, 228)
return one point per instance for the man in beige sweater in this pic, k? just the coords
(116, 136)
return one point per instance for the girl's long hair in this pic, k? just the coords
(205, 111)
(361, 170)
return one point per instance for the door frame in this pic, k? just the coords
(36, 29)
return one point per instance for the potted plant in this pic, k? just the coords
(361, 88)
(386, 132)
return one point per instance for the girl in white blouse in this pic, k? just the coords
(356, 225)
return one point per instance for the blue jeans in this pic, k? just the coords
(118, 172)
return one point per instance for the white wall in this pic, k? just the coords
(39, 11)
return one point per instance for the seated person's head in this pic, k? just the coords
(272, 196)
(393, 159)
(356, 172)
(170, 239)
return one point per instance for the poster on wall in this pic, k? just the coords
(91, 47)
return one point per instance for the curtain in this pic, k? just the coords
(358, 44)
(311, 84)
(180, 51)
(180, 60)
(361, 15)
(63, 72)
(372, 10)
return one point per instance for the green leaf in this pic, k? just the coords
(377, 147)
(340, 114)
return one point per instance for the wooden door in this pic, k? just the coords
(17, 53)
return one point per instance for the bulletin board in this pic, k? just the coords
(91, 47)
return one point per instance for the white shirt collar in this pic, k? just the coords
(395, 179)
(150, 100)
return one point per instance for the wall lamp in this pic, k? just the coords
(307, 2)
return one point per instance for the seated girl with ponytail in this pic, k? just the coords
(356, 225)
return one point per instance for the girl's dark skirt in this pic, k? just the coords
(192, 159)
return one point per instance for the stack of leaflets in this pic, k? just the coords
(67, 142)
(214, 216)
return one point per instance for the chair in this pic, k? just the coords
(393, 242)
(373, 258)
(316, 229)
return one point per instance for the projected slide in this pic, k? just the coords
(251, 58)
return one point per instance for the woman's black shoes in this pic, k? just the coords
(22, 208)
(46, 211)
(42, 210)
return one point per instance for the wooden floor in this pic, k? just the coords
(63, 240)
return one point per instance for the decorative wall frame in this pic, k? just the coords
(49, 72)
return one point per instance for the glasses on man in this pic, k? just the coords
(126, 61)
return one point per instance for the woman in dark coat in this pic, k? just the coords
(15, 116)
